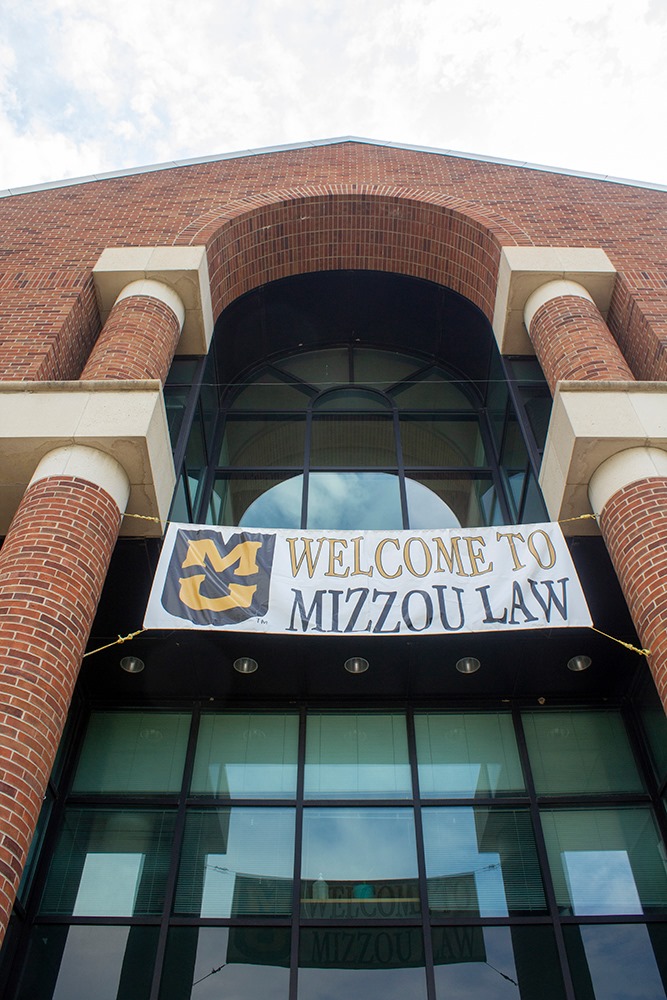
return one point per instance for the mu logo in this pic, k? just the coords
(213, 580)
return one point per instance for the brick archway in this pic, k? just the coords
(332, 227)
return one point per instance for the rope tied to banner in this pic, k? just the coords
(131, 635)
(628, 645)
(116, 642)
(579, 517)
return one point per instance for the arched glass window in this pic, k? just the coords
(357, 434)
(353, 438)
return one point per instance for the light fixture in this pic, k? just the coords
(356, 665)
(132, 664)
(468, 665)
(579, 663)
(245, 665)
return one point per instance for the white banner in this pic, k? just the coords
(375, 582)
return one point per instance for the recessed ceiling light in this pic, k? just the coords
(468, 665)
(132, 664)
(356, 665)
(579, 663)
(245, 665)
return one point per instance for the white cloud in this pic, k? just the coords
(86, 85)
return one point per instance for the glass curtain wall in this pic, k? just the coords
(314, 854)
(356, 438)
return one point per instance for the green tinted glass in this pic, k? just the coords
(236, 862)
(429, 441)
(182, 371)
(482, 862)
(382, 369)
(267, 392)
(467, 755)
(359, 864)
(580, 753)
(265, 442)
(246, 756)
(465, 501)
(110, 863)
(175, 401)
(372, 963)
(258, 501)
(517, 963)
(618, 961)
(135, 752)
(357, 756)
(320, 369)
(606, 861)
(655, 726)
(359, 442)
(207, 963)
(109, 963)
(350, 399)
(432, 392)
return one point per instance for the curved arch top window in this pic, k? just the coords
(327, 421)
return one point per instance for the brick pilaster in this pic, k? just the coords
(139, 338)
(634, 526)
(52, 567)
(572, 341)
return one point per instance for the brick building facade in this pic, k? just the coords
(548, 288)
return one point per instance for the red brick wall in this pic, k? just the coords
(263, 217)
(572, 341)
(52, 567)
(418, 213)
(137, 341)
(634, 526)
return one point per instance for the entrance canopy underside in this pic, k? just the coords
(515, 664)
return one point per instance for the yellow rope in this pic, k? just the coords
(565, 520)
(116, 642)
(634, 649)
(131, 635)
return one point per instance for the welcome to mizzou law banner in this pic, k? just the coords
(375, 582)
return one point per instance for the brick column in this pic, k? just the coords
(139, 339)
(629, 492)
(570, 337)
(52, 567)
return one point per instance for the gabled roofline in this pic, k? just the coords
(239, 154)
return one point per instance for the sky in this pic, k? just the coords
(88, 86)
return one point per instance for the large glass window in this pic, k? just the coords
(481, 862)
(417, 452)
(412, 453)
(350, 756)
(133, 752)
(311, 853)
(346, 430)
(242, 756)
(467, 755)
(236, 862)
